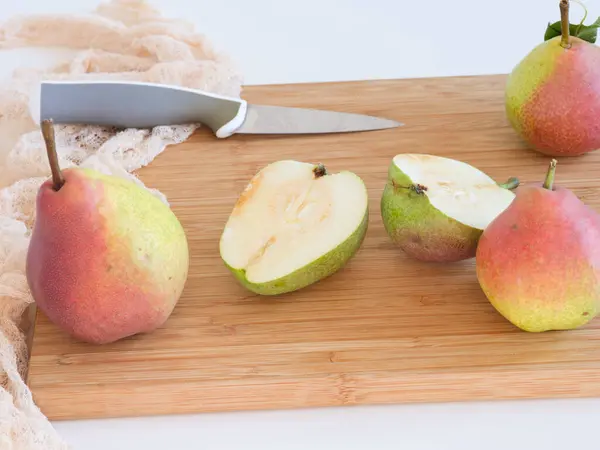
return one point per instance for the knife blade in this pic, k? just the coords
(146, 105)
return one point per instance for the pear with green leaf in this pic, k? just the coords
(553, 95)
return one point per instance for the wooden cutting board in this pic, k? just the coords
(386, 329)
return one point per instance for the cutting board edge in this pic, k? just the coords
(351, 81)
(431, 398)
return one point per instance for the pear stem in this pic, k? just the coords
(48, 133)
(564, 24)
(320, 170)
(549, 181)
(511, 184)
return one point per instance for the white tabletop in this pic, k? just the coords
(327, 40)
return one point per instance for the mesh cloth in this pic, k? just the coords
(121, 39)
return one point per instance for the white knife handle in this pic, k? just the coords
(223, 115)
(230, 127)
(138, 105)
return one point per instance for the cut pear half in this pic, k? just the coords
(294, 225)
(436, 208)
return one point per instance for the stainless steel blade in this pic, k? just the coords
(266, 119)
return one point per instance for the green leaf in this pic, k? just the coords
(589, 32)
(586, 32)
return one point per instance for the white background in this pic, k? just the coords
(326, 40)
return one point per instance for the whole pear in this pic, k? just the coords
(552, 96)
(107, 259)
(538, 262)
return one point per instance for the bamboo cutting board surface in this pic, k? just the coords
(386, 329)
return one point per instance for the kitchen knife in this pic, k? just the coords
(145, 105)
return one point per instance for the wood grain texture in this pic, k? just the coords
(385, 329)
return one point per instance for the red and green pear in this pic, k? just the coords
(107, 259)
(538, 262)
(552, 96)
(435, 208)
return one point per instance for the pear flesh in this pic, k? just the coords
(436, 208)
(294, 225)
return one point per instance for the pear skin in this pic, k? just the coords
(107, 259)
(538, 262)
(552, 99)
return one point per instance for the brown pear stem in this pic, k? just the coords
(549, 181)
(564, 24)
(319, 171)
(48, 133)
(511, 184)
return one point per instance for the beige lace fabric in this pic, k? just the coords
(122, 39)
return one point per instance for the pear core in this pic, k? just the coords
(456, 188)
(290, 215)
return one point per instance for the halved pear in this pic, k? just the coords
(436, 208)
(294, 225)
